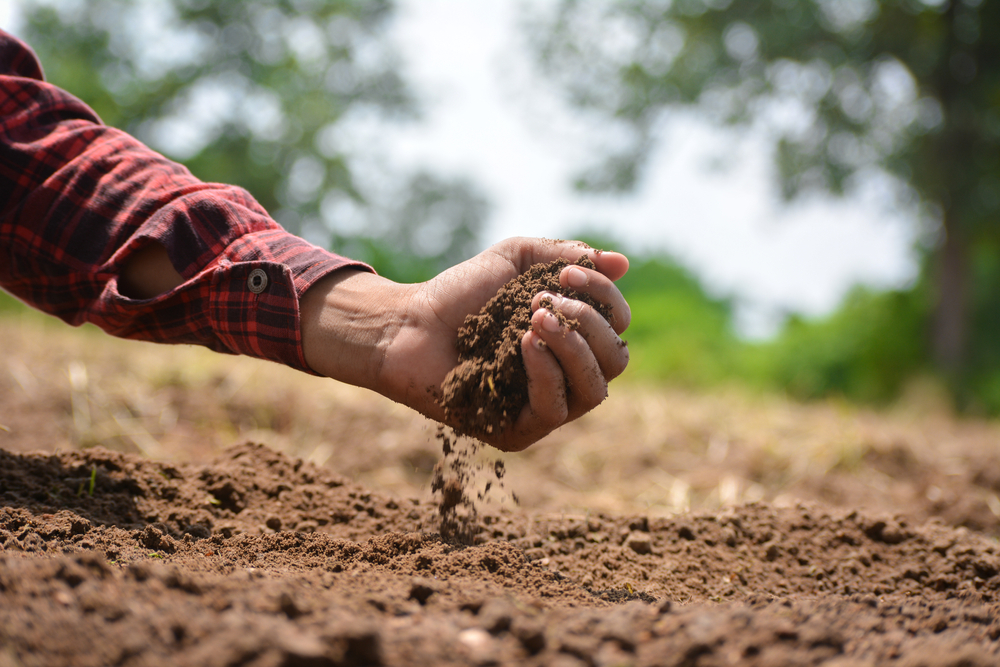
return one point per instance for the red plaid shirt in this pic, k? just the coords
(77, 198)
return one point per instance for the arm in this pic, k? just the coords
(96, 227)
(399, 340)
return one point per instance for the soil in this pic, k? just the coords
(258, 558)
(666, 528)
(489, 387)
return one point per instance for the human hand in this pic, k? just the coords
(400, 339)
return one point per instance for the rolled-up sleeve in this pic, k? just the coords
(78, 199)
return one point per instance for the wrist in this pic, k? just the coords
(348, 320)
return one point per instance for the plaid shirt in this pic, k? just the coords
(78, 198)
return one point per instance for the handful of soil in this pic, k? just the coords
(488, 388)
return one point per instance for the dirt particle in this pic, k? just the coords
(421, 590)
(639, 542)
(461, 482)
(530, 632)
(153, 537)
(496, 615)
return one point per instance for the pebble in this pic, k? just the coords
(639, 542)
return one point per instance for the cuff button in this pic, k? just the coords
(257, 281)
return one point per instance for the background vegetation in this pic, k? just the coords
(902, 90)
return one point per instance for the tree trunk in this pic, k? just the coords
(950, 328)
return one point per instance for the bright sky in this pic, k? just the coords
(486, 118)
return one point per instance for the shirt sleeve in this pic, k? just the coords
(78, 198)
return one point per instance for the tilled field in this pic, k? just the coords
(780, 534)
(257, 558)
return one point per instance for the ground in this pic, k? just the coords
(166, 505)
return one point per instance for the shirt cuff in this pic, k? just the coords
(254, 303)
(246, 302)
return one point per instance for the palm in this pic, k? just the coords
(424, 351)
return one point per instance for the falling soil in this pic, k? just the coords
(488, 388)
(463, 481)
(260, 558)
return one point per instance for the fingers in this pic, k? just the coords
(547, 407)
(614, 265)
(601, 340)
(602, 289)
(587, 386)
(568, 370)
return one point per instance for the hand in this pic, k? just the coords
(399, 340)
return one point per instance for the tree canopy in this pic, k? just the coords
(849, 90)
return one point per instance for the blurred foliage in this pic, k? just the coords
(849, 91)
(11, 305)
(678, 332)
(425, 226)
(257, 93)
(866, 351)
(13, 308)
(844, 85)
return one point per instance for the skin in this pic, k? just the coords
(148, 273)
(399, 340)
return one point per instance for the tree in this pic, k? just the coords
(908, 88)
(253, 93)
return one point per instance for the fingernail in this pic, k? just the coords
(553, 300)
(551, 323)
(576, 277)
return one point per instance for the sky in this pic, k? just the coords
(489, 118)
